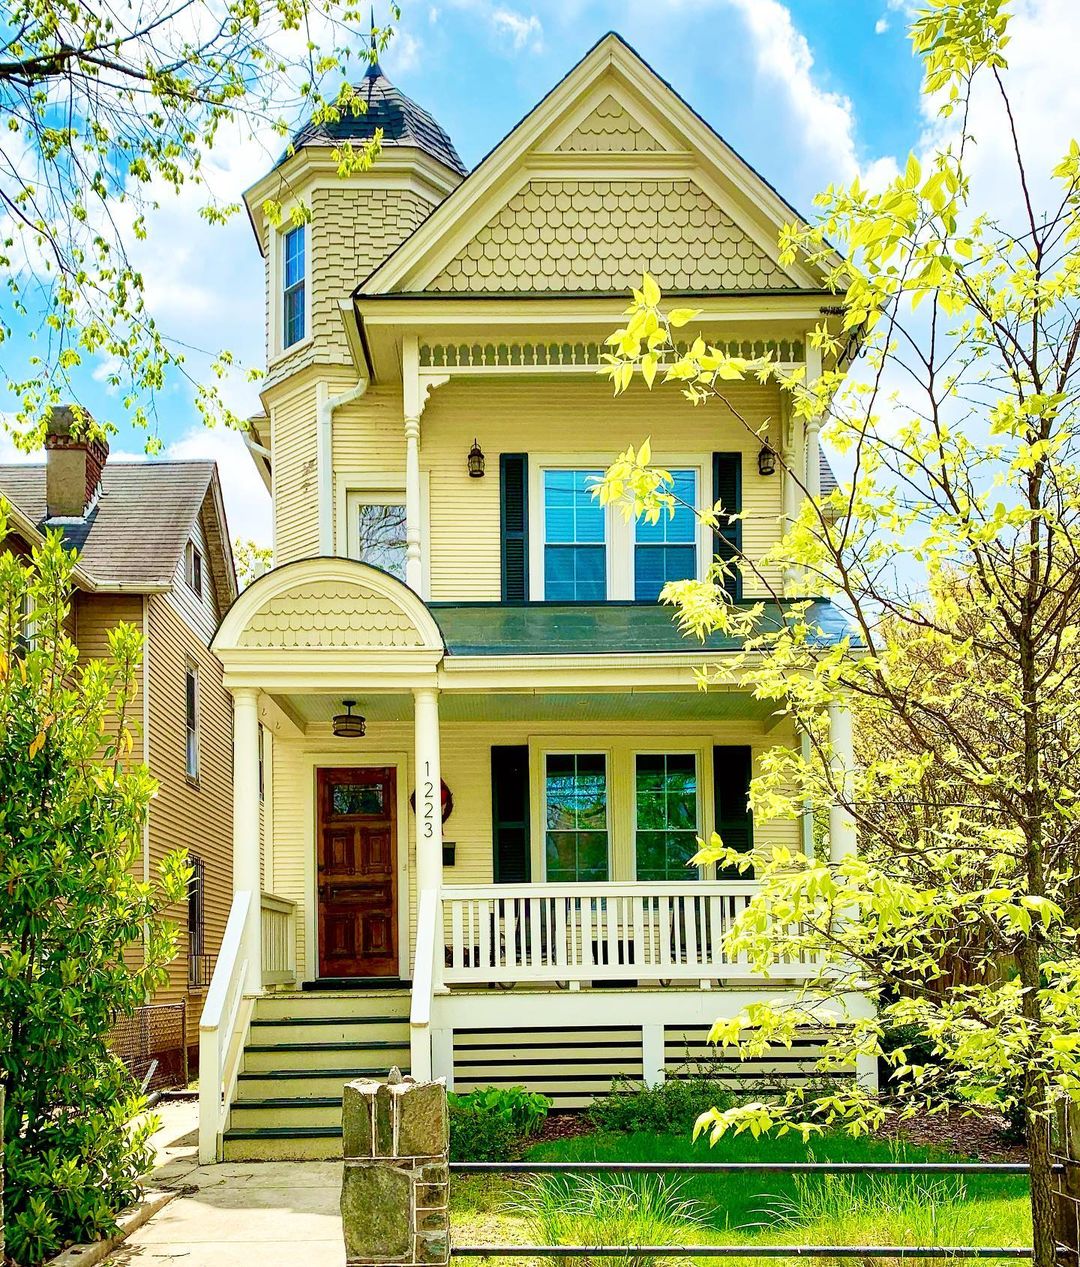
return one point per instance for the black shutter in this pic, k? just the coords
(514, 517)
(731, 788)
(510, 814)
(727, 490)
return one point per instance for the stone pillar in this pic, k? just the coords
(396, 1185)
(841, 824)
(247, 874)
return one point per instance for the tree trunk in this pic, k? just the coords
(1043, 1214)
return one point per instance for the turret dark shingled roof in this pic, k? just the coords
(403, 123)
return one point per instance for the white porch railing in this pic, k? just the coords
(278, 940)
(423, 985)
(596, 932)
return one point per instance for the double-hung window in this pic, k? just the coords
(576, 816)
(294, 285)
(575, 547)
(667, 549)
(666, 815)
(191, 721)
(377, 531)
(198, 973)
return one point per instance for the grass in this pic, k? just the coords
(741, 1208)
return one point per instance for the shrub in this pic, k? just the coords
(671, 1108)
(71, 821)
(493, 1123)
(597, 1210)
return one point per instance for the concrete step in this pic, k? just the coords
(328, 1029)
(345, 1003)
(298, 1084)
(285, 1112)
(270, 1057)
(286, 1143)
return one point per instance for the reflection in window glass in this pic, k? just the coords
(667, 550)
(357, 798)
(576, 807)
(575, 556)
(380, 536)
(667, 826)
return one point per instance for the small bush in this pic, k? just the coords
(493, 1123)
(602, 1210)
(671, 1108)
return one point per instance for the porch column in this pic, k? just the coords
(428, 804)
(246, 872)
(841, 824)
(412, 504)
(813, 458)
(791, 512)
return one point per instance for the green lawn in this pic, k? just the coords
(738, 1209)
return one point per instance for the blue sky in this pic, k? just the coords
(808, 91)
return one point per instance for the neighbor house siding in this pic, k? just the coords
(96, 615)
(187, 814)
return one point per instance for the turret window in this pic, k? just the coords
(294, 278)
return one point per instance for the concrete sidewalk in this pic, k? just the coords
(268, 1214)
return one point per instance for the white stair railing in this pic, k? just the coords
(278, 940)
(423, 985)
(223, 1029)
(597, 932)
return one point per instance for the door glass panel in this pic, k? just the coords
(667, 828)
(357, 798)
(576, 813)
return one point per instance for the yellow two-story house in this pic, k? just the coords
(471, 757)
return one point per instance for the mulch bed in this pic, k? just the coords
(977, 1135)
(562, 1126)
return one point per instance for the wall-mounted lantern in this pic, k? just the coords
(349, 725)
(476, 460)
(766, 460)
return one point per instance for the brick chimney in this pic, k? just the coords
(74, 460)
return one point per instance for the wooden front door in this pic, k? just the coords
(357, 855)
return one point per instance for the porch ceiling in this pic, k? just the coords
(583, 706)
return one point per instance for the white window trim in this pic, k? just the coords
(191, 553)
(699, 808)
(574, 750)
(276, 285)
(353, 486)
(619, 534)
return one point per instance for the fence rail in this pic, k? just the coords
(597, 932)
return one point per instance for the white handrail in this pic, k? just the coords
(427, 916)
(222, 1030)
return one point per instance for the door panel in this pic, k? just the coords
(357, 872)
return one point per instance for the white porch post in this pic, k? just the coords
(841, 824)
(813, 458)
(429, 807)
(413, 568)
(246, 870)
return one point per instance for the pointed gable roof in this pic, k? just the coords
(615, 173)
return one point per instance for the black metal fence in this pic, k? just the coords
(152, 1043)
(1063, 1170)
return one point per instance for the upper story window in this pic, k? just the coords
(667, 550)
(198, 974)
(576, 816)
(191, 721)
(575, 538)
(294, 285)
(377, 531)
(194, 568)
(666, 815)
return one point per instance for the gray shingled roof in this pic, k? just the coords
(403, 123)
(137, 530)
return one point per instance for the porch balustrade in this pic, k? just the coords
(278, 940)
(596, 932)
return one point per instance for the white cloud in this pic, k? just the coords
(521, 31)
(881, 26)
(403, 53)
(827, 118)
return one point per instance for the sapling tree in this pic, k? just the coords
(954, 549)
(82, 938)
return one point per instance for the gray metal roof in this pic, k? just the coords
(403, 123)
(137, 530)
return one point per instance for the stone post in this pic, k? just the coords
(396, 1185)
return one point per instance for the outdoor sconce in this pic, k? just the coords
(476, 460)
(349, 725)
(766, 460)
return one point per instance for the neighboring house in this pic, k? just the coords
(153, 551)
(487, 878)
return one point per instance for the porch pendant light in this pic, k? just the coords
(349, 725)
(476, 460)
(766, 460)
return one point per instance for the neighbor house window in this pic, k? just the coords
(575, 549)
(576, 816)
(24, 638)
(377, 531)
(198, 973)
(294, 274)
(191, 720)
(667, 550)
(666, 813)
(194, 568)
